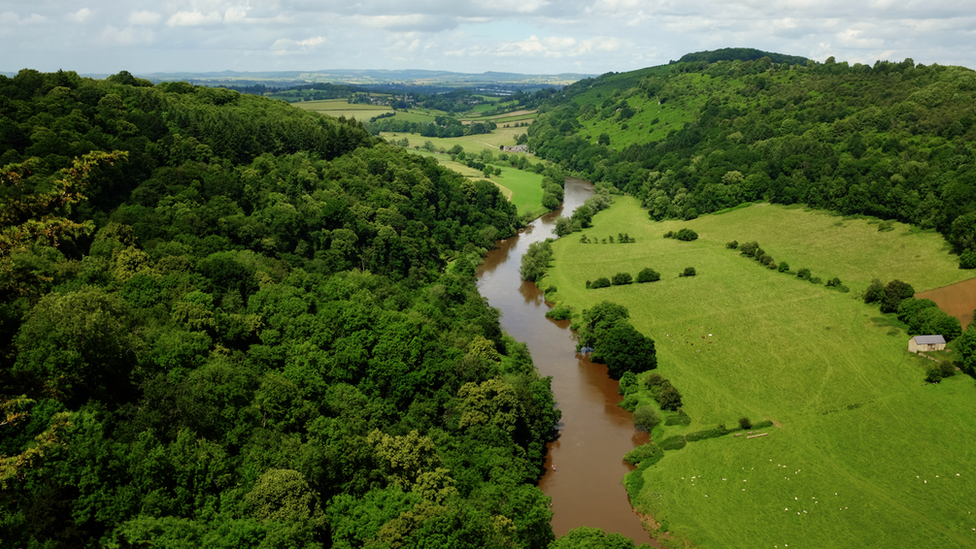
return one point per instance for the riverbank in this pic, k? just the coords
(739, 340)
(594, 434)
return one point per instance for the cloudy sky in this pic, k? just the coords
(525, 36)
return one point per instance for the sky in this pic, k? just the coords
(522, 36)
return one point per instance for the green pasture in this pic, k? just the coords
(340, 107)
(863, 453)
(472, 144)
(522, 188)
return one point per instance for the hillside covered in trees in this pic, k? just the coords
(226, 322)
(892, 140)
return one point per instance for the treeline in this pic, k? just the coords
(893, 140)
(230, 323)
(443, 126)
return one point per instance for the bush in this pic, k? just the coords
(681, 418)
(803, 274)
(732, 245)
(602, 282)
(968, 260)
(894, 292)
(676, 442)
(816, 280)
(940, 372)
(834, 282)
(875, 292)
(630, 402)
(648, 275)
(783, 267)
(749, 248)
(644, 452)
(646, 418)
(621, 279)
(669, 234)
(702, 435)
(762, 424)
(686, 234)
(689, 271)
(536, 261)
(669, 398)
(745, 423)
(561, 312)
(628, 383)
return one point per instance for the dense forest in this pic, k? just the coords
(892, 140)
(225, 322)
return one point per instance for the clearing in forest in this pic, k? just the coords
(867, 455)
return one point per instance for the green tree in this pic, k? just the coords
(648, 275)
(621, 279)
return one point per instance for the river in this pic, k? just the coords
(594, 434)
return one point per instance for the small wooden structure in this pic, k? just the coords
(926, 343)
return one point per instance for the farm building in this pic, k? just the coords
(926, 343)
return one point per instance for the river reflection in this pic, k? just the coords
(595, 433)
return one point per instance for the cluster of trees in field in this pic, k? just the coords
(226, 322)
(622, 238)
(893, 140)
(685, 234)
(442, 126)
(754, 251)
(620, 279)
(615, 342)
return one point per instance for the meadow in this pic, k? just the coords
(341, 107)
(862, 452)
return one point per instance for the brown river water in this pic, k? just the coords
(587, 486)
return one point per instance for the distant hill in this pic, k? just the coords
(891, 140)
(367, 77)
(741, 54)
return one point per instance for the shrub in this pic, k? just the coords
(669, 234)
(766, 259)
(702, 435)
(648, 275)
(561, 312)
(630, 402)
(676, 442)
(894, 292)
(646, 418)
(816, 280)
(875, 292)
(762, 424)
(644, 452)
(834, 283)
(628, 383)
(968, 260)
(681, 418)
(601, 282)
(940, 372)
(745, 423)
(687, 235)
(732, 245)
(669, 398)
(689, 271)
(621, 279)
(803, 274)
(749, 248)
(783, 267)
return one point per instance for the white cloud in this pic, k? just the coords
(193, 18)
(144, 18)
(127, 36)
(236, 14)
(81, 15)
(311, 41)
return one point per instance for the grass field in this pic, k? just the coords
(471, 144)
(522, 188)
(863, 454)
(341, 107)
